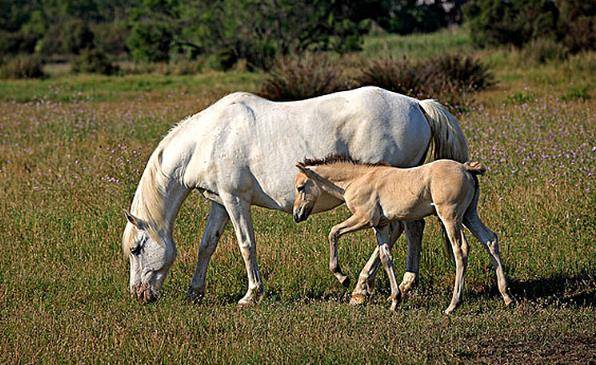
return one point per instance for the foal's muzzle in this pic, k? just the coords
(301, 214)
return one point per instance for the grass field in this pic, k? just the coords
(73, 148)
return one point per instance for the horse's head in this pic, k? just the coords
(150, 255)
(306, 193)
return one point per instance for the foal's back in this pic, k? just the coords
(412, 193)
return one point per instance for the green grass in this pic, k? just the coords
(73, 149)
(417, 46)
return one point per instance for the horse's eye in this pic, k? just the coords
(139, 247)
(136, 250)
(300, 188)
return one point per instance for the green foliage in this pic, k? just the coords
(576, 93)
(515, 22)
(521, 97)
(229, 30)
(577, 24)
(307, 76)
(150, 41)
(22, 67)
(543, 50)
(94, 61)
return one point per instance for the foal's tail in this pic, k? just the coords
(448, 140)
(475, 168)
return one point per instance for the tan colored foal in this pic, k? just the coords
(378, 195)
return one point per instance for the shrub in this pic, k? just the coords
(401, 76)
(303, 77)
(577, 24)
(515, 22)
(544, 50)
(94, 61)
(449, 78)
(22, 67)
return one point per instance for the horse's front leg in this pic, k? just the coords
(216, 222)
(367, 276)
(239, 212)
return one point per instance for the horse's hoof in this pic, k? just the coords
(193, 297)
(358, 299)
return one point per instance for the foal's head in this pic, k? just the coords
(306, 193)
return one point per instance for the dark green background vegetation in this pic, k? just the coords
(224, 32)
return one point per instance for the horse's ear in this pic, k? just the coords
(137, 222)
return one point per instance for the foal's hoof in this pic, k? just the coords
(345, 281)
(509, 302)
(393, 307)
(358, 299)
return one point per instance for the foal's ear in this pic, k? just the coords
(135, 221)
(302, 168)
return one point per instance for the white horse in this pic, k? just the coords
(241, 151)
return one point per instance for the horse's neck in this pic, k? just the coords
(158, 199)
(337, 177)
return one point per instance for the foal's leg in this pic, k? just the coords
(239, 212)
(460, 250)
(490, 242)
(216, 222)
(351, 224)
(383, 239)
(366, 278)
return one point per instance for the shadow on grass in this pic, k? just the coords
(578, 290)
(558, 289)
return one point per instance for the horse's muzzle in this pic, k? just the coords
(143, 293)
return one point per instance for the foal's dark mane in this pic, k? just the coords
(337, 158)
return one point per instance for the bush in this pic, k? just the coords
(544, 50)
(577, 25)
(22, 67)
(94, 61)
(515, 22)
(401, 76)
(449, 78)
(303, 77)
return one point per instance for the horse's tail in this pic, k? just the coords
(448, 140)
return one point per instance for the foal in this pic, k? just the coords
(378, 194)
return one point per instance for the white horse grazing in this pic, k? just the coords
(241, 151)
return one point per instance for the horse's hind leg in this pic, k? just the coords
(216, 222)
(351, 224)
(414, 232)
(490, 242)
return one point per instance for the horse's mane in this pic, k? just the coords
(338, 158)
(148, 200)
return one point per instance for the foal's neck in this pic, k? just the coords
(338, 176)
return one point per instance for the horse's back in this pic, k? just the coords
(257, 141)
